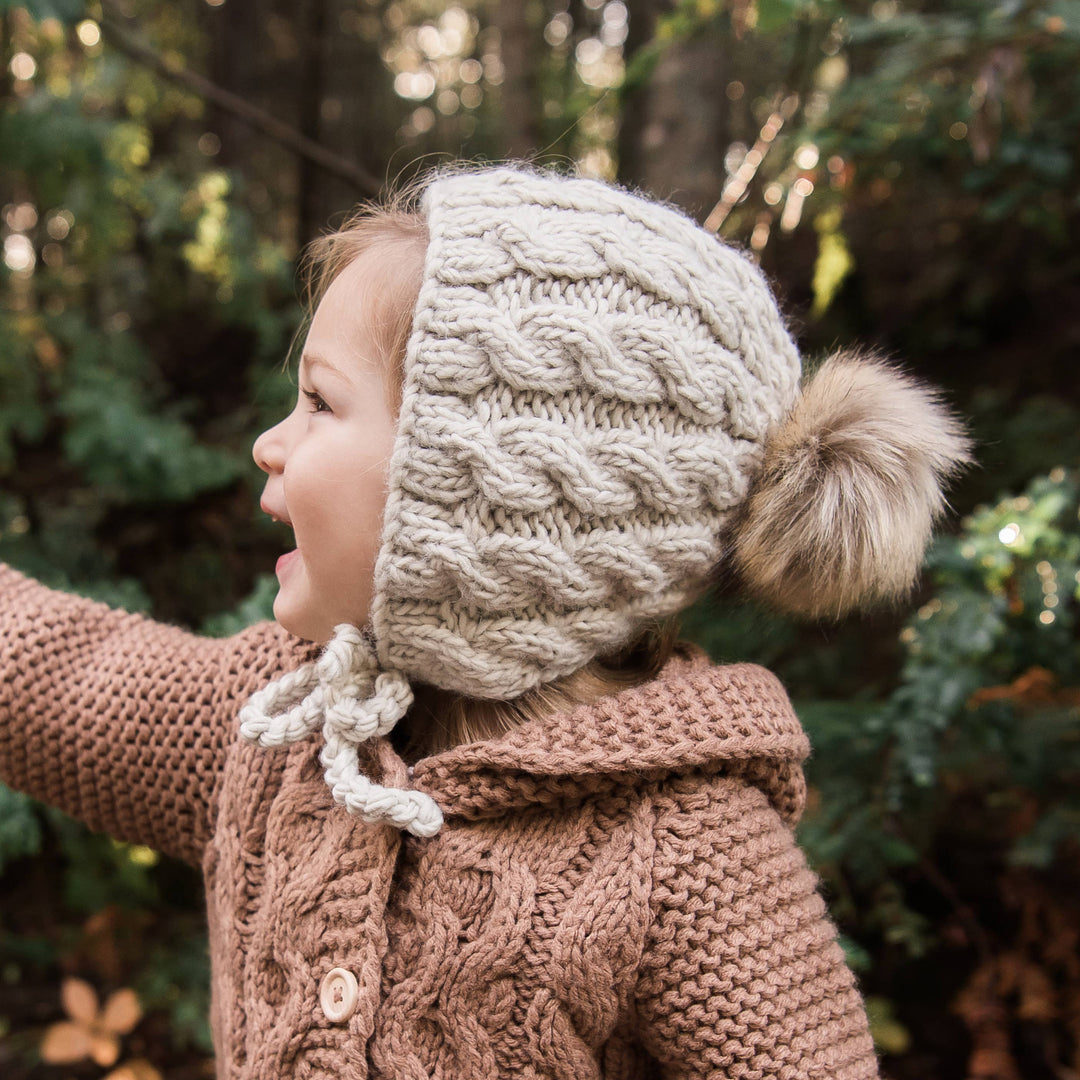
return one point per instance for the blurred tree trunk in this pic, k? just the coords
(315, 66)
(311, 22)
(254, 55)
(674, 131)
(353, 111)
(7, 20)
(520, 50)
(238, 56)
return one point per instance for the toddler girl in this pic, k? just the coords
(481, 816)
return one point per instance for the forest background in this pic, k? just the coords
(907, 174)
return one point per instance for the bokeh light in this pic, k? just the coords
(23, 66)
(88, 32)
(19, 254)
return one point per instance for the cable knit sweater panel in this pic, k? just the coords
(615, 893)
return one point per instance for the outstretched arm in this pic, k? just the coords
(742, 974)
(121, 721)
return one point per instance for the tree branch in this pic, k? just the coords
(243, 110)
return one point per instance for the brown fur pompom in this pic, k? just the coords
(851, 486)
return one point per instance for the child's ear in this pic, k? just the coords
(850, 489)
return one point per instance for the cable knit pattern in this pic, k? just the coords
(615, 893)
(588, 386)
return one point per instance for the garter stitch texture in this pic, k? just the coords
(588, 386)
(615, 894)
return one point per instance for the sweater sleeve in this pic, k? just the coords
(742, 975)
(121, 721)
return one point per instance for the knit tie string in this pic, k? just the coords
(345, 692)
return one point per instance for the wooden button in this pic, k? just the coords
(338, 994)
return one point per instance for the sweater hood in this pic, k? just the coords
(695, 717)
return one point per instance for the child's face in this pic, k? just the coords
(327, 462)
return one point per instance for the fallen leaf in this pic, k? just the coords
(104, 1048)
(79, 1000)
(65, 1043)
(122, 1012)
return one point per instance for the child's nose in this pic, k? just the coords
(269, 449)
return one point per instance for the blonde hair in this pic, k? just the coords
(399, 230)
(440, 719)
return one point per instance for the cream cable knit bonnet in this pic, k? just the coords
(588, 387)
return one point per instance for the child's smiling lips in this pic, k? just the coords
(284, 561)
(289, 556)
(269, 510)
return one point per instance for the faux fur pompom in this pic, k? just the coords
(850, 490)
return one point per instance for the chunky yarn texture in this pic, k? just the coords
(588, 387)
(600, 405)
(615, 892)
(344, 693)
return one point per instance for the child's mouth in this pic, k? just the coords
(285, 562)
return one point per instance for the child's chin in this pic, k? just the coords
(314, 639)
(299, 611)
(294, 623)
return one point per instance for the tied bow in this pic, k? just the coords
(344, 691)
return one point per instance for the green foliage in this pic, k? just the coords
(258, 605)
(153, 313)
(144, 304)
(957, 86)
(67, 11)
(130, 453)
(176, 980)
(122, 916)
(973, 755)
(1018, 440)
(20, 832)
(969, 753)
(138, 356)
(100, 871)
(955, 125)
(932, 147)
(983, 715)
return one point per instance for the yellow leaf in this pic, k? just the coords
(65, 1043)
(104, 1049)
(143, 856)
(834, 262)
(122, 1012)
(80, 1001)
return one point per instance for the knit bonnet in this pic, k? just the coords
(590, 388)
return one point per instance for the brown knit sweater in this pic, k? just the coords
(615, 893)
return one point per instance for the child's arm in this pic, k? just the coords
(742, 973)
(121, 721)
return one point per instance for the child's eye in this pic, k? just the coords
(317, 403)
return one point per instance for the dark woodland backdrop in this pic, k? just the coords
(907, 174)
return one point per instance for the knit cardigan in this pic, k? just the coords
(616, 892)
